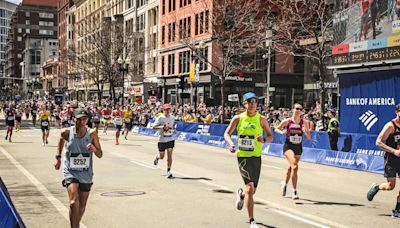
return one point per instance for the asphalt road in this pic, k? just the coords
(201, 195)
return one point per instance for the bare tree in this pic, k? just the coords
(102, 44)
(303, 28)
(237, 29)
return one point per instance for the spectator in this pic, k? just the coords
(333, 129)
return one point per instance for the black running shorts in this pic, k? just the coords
(250, 169)
(297, 148)
(83, 187)
(392, 168)
(162, 146)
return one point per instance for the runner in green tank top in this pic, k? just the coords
(250, 126)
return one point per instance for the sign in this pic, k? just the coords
(238, 79)
(261, 85)
(233, 97)
(368, 100)
(153, 99)
(58, 98)
(137, 90)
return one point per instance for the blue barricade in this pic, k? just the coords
(357, 151)
(9, 217)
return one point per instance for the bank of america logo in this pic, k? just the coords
(369, 119)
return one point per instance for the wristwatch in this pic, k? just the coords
(58, 157)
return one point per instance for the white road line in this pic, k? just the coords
(143, 165)
(286, 211)
(299, 218)
(40, 187)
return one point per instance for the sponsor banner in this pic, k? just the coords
(359, 46)
(368, 100)
(377, 44)
(9, 217)
(340, 49)
(393, 41)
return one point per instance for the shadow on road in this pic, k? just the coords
(265, 225)
(330, 203)
(193, 178)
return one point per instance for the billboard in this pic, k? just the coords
(368, 100)
(366, 31)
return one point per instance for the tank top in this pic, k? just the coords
(294, 133)
(393, 141)
(78, 161)
(249, 128)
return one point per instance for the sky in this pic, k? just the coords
(15, 1)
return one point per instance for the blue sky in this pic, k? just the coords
(15, 1)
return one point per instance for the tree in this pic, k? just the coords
(303, 28)
(100, 46)
(237, 29)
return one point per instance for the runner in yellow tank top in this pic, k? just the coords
(250, 126)
(44, 117)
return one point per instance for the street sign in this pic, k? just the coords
(233, 97)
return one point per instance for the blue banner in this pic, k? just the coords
(368, 100)
(9, 217)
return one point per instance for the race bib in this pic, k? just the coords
(127, 120)
(246, 143)
(169, 133)
(34, 111)
(10, 118)
(79, 162)
(118, 120)
(295, 139)
(45, 124)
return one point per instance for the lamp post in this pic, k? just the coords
(123, 67)
(197, 57)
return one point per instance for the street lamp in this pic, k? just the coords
(123, 67)
(197, 56)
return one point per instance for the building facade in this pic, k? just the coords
(6, 11)
(32, 18)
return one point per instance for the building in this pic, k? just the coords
(32, 18)
(6, 11)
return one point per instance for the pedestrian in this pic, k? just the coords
(389, 141)
(295, 126)
(333, 129)
(79, 143)
(250, 126)
(165, 124)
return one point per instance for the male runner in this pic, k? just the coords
(128, 121)
(165, 124)
(44, 116)
(389, 141)
(79, 143)
(106, 114)
(250, 126)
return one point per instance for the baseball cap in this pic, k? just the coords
(249, 95)
(166, 106)
(79, 113)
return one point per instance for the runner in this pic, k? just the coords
(18, 117)
(106, 114)
(65, 116)
(96, 118)
(166, 140)
(79, 143)
(117, 119)
(250, 126)
(44, 117)
(27, 110)
(34, 110)
(56, 115)
(128, 121)
(292, 149)
(10, 117)
(389, 141)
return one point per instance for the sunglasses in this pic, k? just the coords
(252, 100)
(299, 109)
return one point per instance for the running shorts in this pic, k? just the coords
(83, 187)
(297, 148)
(250, 168)
(162, 146)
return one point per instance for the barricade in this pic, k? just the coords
(356, 151)
(9, 217)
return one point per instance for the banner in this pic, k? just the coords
(9, 217)
(368, 100)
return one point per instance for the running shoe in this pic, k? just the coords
(169, 175)
(253, 224)
(295, 196)
(126, 138)
(156, 160)
(372, 191)
(9, 140)
(283, 188)
(239, 199)
(43, 144)
(396, 214)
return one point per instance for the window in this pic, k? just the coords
(163, 7)
(163, 35)
(173, 31)
(46, 15)
(173, 5)
(196, 26)
(188, 26)
(140, 22)
(162, 65)
(169, 32)
(35, 57)
(204, 59)
(19, 38)
(184, 62)
(46, 23)
(206, 21)
(27, 31)
(27, 14)
(46, 32)
(171, 64)
(27, 22)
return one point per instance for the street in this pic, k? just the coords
(202, 194)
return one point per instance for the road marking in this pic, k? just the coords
(299, 218)
(142, 164)
(274, 167)
(40, 187)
